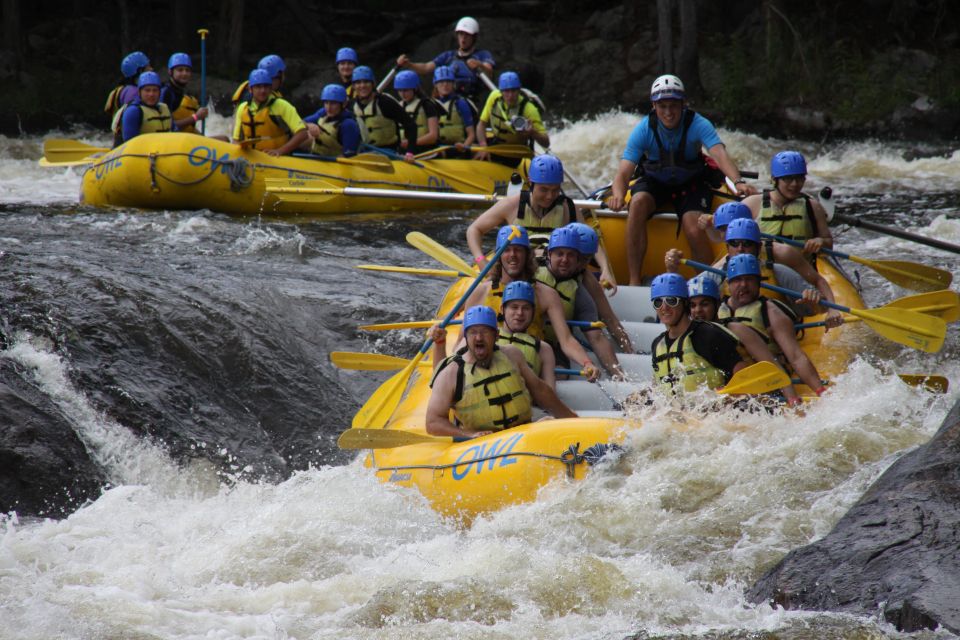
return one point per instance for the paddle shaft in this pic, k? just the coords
(403, 194)
(203, 75)
(854, 221)
(386, 80)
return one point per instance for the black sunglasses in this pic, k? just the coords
(741, 244)
(672, 301)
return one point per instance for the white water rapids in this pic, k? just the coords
(662, 545)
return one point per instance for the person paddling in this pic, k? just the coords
(186, 109)
(146, 114)
(333, 130)
(271, 123)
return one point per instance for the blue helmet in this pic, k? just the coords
(743, 229)
(444, 74)
(728, 212)
(744, 264)
(523, 239)
(588, 237)
(148, 79)
(519, 290)
(273, 64)
(546, 169)
(363, 73)
(479, 315)
(668, 284)
(133, 63)
(509, 80)
(703, 286)
(179, 60)
(346, 54)
(406, 80)
(564, 238)
(259, 76)
(333, 93)
(788, 163)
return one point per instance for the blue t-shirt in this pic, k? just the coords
(641, 140)
(466, 113)
(464, 76)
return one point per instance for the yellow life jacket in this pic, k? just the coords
(681, 368)
(488, 399)
(377, 129)
(528, 345)
(566, 289)
(418, 113)
(767, 273)
(188, 107)
(494, 300)
(796, 220)
(452, 129)
(755, 316)
(113, 100)
(263, 124)
(500, 116)
(328, 140)
(154, 120)
(539, 228)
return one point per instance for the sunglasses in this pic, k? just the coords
(741, 244)
(672, 301)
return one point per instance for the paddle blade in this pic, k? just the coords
(944, 304)
(380, 406)
(57, 150)
(934, 384)
(413, 271)
(299, 191)
(68, 163)
(367, 361)
(371, 161)
(438, 252)
(762, 377)
(380, 439)
(909, 275)
(416, 324)
(907, 327)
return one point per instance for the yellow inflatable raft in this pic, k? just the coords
(185, 171)
(463, 479)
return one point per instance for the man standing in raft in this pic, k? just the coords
(667, 144)
(272, 122)
(488, 387)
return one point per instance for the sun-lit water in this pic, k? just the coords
(186, 351)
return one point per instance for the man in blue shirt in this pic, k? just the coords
(466, 61)
(667, 145)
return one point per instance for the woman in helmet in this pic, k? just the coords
(420, 108)
(186, 108)
(457, 114)
(333, 130)
(382, 119)
(146, 114)
(132, 65)
(347, 61)
(466, 60)
(272, 123)
(511, 117)
(787, 211)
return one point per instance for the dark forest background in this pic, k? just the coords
(799, 67)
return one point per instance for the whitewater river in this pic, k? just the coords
(181, 358)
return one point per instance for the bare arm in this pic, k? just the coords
(823, 239)
(549, 302)
(548, 362)
(719, 153)
(543, 394)
(620, 181)
(432, 135)
(791, 257)
(606, 313)
(292, 144)
(479, 295)
(781, 329)
(758, 350)
(421, 68)
(503, 212)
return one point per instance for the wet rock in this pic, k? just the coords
(893, 553)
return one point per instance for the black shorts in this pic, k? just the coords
(696, 195)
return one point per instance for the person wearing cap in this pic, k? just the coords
(419, 107)
(382, 119)
(132, 65)
(333, 130)
(517, 263)
(272, 64)
(690, 354)
(146, 114)
(457, 115)
(787, 211)
(666, 145)
(346, 61)
(487, 386)
(767, 318)
(272, 123)
(516, 315)
(467, 61)
(563, 274)
(509, 116)
(186, 109)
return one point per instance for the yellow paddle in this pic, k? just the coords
(942, 304)
(909, 275)
(505, 150)
(444, 273)
(905, 326)
(382, 439)
(476, 186)
(439, 252)
(62, 150)
(762, 377)
(381, 405)
(68, 163)
(932, 383)
(354, 361)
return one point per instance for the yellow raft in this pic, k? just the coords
(186, 171)
(510, 467)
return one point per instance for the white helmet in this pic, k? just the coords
(667, 86)
(468, 25)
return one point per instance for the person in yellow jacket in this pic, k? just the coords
(186, 108)
(510, 117)
(272, 123)
(488, 387)
(146, 114)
